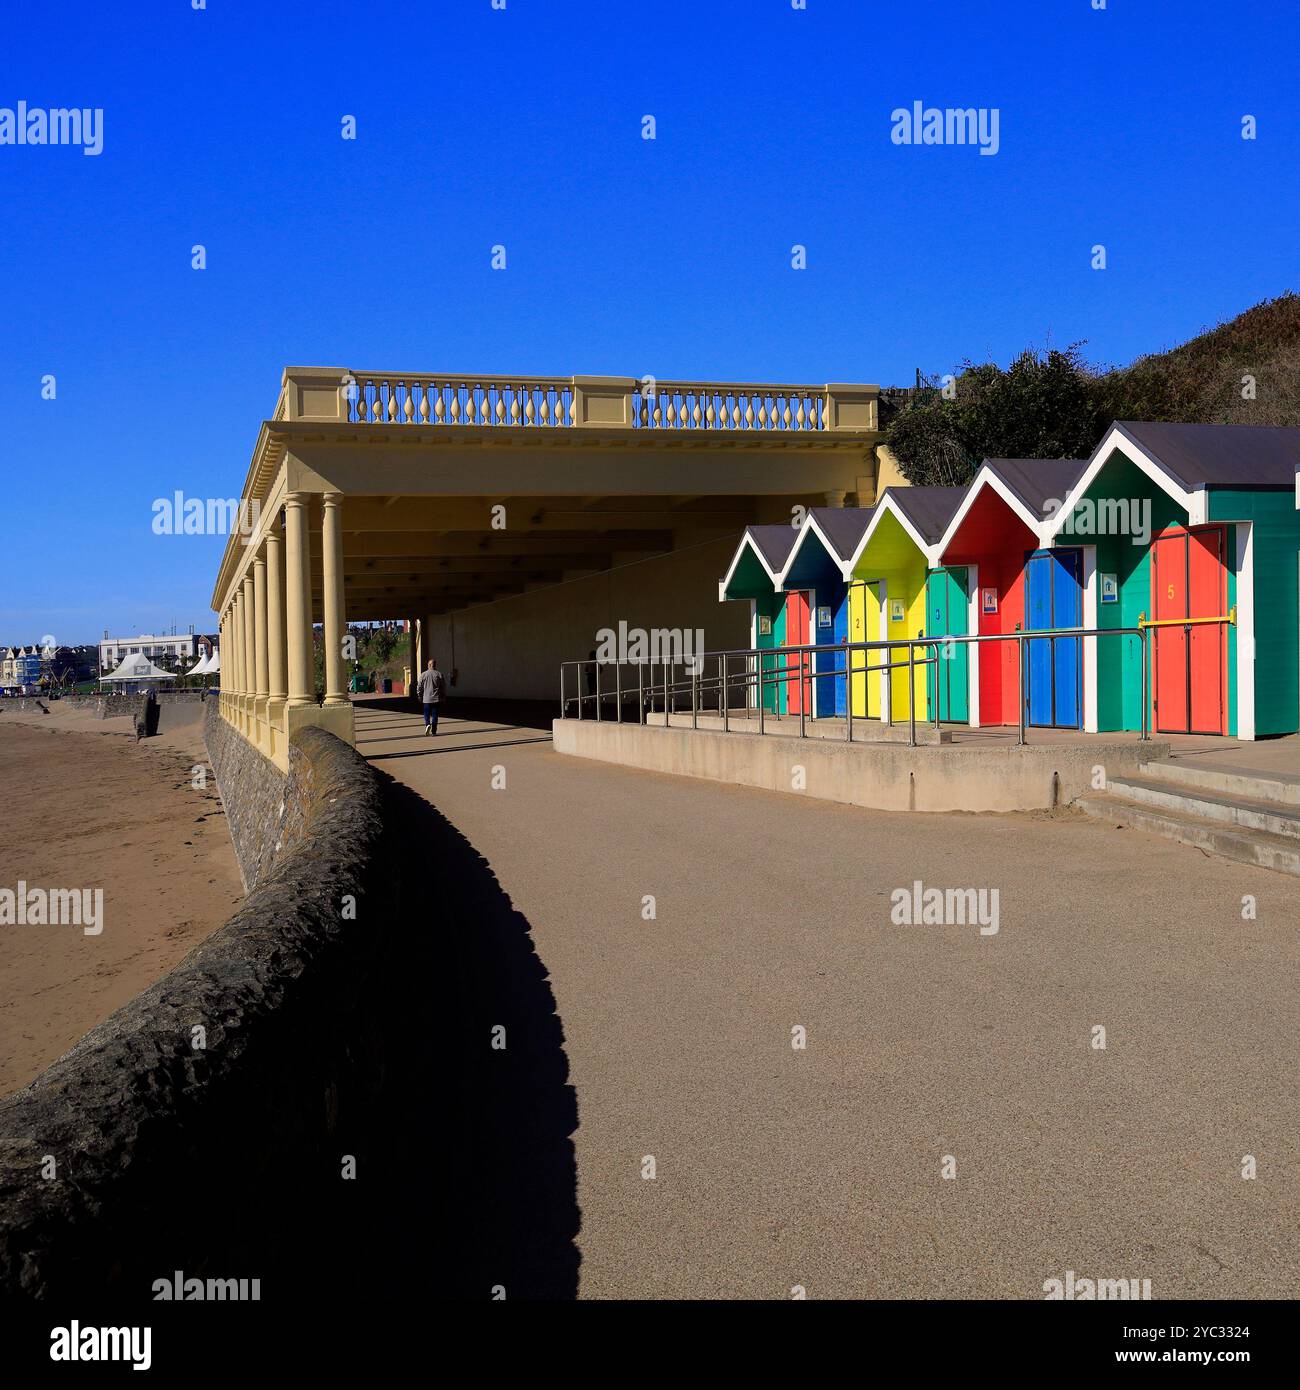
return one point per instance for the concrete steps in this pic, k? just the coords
(1279, 786)
(1234, 814)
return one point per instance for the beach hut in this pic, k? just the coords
(776, 619)
(994, 558)
(887, 575)
(1196, 532)
(815, 568)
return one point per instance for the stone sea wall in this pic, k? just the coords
(210, 1124)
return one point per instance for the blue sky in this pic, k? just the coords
(671, 257)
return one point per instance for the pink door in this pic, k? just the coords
(1190, 679)
(798, 684)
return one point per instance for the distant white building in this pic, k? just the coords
(168, 651)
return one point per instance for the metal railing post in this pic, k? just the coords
(695, 696)
(726, 702)
(618, 692)
(761, 709)
(886, 690)
(1143, 730)
(937, 659)
(640, 691)
(597, 666)
(911, 692)
(803, 697)
(562, 713)
(1024, 697)
(848, 690)
(581, 678)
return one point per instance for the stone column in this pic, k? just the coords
(260, 677)
(221, 647)
(250, 628)
(250, 652)
(277, 735)
(297, 593)
(241, 640)
(237, 659)
(335, 614)
(236, 646)
(275, 650)
(417, 649)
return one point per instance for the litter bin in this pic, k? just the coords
(387, 685)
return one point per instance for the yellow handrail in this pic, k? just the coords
(1229, 617)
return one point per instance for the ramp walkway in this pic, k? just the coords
(669, 1037)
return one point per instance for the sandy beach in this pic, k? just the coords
(86, 807)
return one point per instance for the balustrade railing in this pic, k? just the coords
(604, 403)
(678, 405)
(430, 400)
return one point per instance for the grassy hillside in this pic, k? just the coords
(1202, 382)
(1054, 404)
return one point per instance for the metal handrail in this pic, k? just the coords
(1229, 617)
(760, 670)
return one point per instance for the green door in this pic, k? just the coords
(945, 616)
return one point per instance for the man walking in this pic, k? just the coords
(431, 696)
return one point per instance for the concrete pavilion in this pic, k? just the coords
(508, 519)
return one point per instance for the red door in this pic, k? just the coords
(1189, 579)
(796, 635)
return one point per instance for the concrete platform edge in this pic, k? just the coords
(876, 776)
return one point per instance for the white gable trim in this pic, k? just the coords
(746, 543)
(809, 524)
(1194, 501)
(986, 477)
(885, 502)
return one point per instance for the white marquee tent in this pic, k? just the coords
(137, 669)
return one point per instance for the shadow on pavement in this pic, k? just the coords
(526, 714)
(432, 747)
(506, 1116)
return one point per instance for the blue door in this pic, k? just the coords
(1053, 670)
(830, 624)
(840, 658)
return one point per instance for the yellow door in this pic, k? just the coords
(859, 604)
